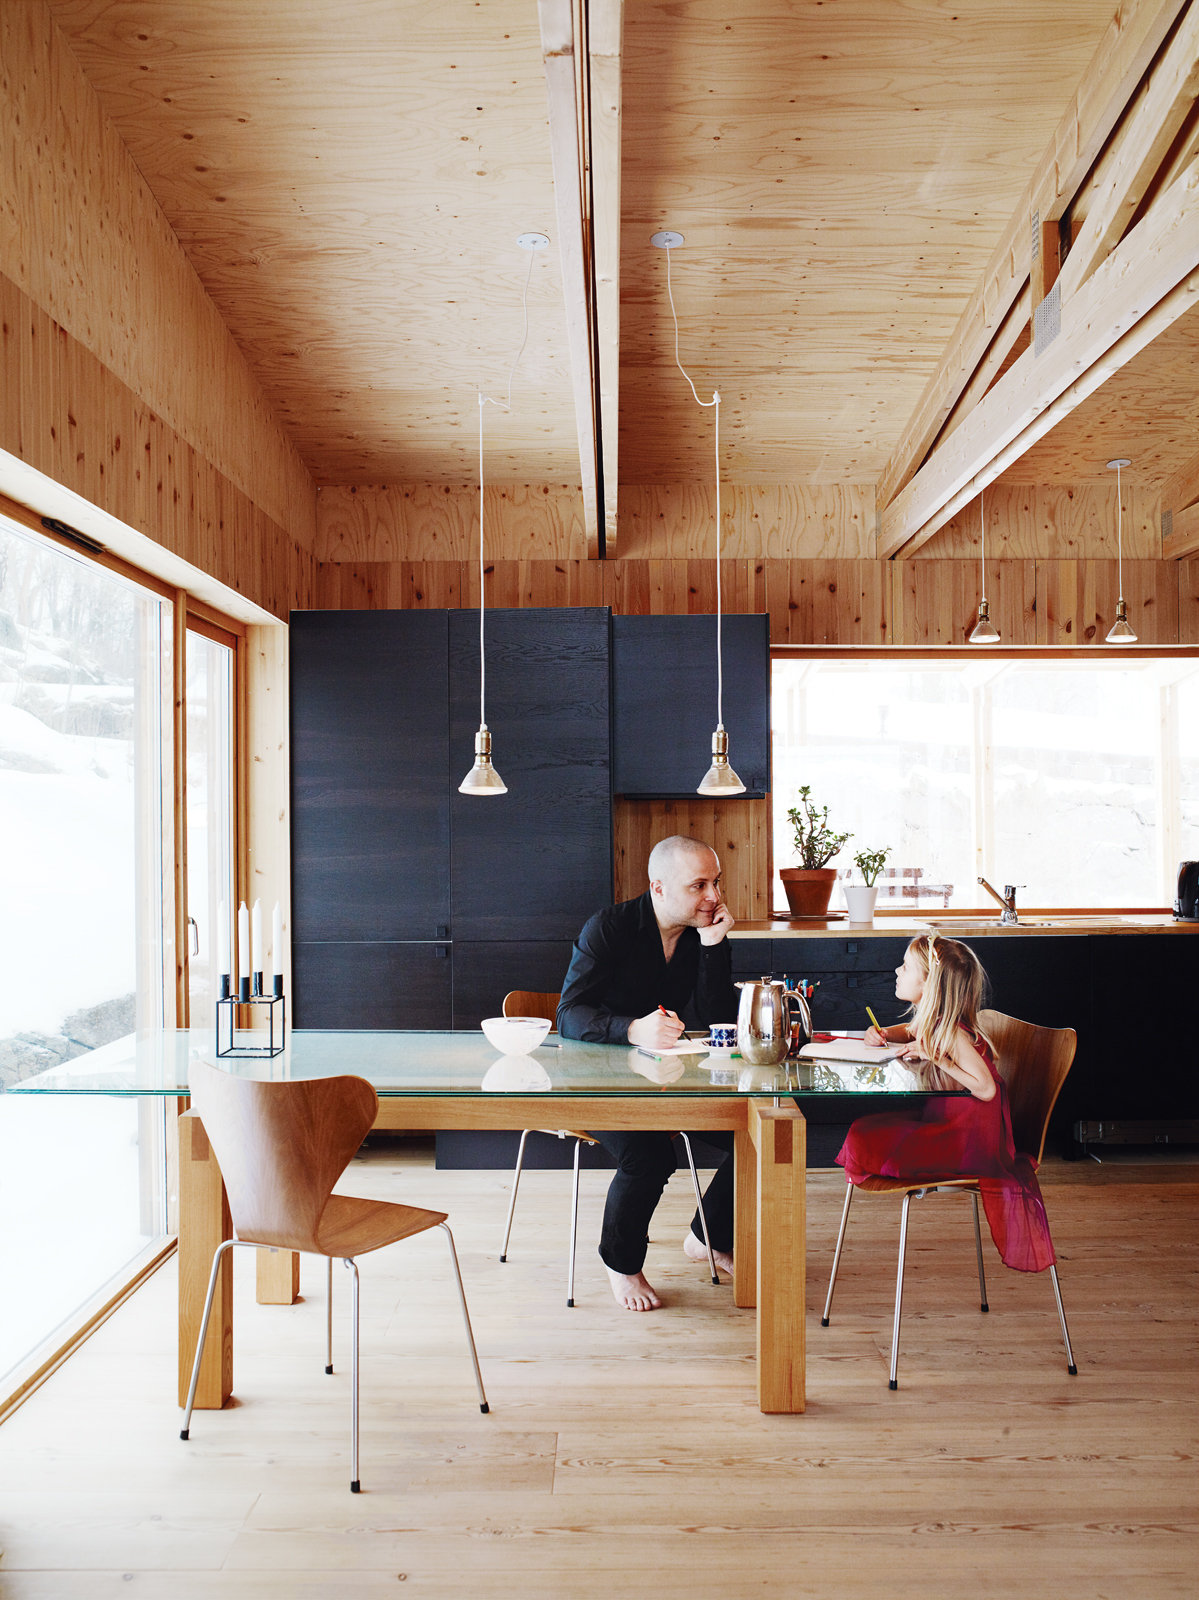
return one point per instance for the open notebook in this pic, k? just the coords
(853, 1050)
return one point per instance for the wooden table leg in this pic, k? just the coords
(278, 1277)
(204, 1223)
(745, 1221)
(779, 1134)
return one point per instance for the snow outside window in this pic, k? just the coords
(83, 670)
(1076, 779)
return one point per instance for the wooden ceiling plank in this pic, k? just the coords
(1142, 147)
(605, 31)
(1182, 490)
(1012, 330)
(1141, 289)
(1124, 55)
(558, 50)
(1184, 541)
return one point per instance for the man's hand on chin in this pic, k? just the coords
(722, 922)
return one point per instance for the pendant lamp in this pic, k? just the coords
(720, 782)
(1121, 630)
(985, 631)
(483, 779)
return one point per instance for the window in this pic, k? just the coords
(84, 723)
(1078, 779)
(210, 875)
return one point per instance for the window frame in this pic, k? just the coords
(977, 654)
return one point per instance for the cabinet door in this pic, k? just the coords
(372, 985)
(484, 973)
(534, 863)
(369, 746)
(664, 703)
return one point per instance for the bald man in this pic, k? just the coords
(641, 973)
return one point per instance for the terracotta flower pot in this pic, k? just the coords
(808, 889)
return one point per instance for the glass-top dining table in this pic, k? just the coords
(442, 1080)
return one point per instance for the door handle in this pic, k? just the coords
(195, 928)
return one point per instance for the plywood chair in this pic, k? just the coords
(536, 1003)
(281, 1147)
(1033, 1062)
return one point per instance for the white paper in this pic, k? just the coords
(853, 1050)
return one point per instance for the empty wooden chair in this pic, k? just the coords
(537, 1003)
(281, 1147)
(1033, 1062)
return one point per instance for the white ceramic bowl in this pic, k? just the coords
(515, 1036)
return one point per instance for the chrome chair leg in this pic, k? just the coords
(893, 1382)
(211, 1295)
(355, 1484)
(470, 1337)
(978, 1250)
(832, 1282)
(520, 1157)
(574, 1229)
(1061, 1311)
(329, 1316)
(699, 1201)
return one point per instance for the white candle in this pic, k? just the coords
(222, 941)
(243, 941)
(276, 941)
(256, 935)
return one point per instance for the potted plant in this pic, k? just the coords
(861, 897)
(809, 887)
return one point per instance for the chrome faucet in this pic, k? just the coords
(1007, 900)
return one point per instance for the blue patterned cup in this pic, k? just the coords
(722, 1036)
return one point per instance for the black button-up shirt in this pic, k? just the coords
(619, 972)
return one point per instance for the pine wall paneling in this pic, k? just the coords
(66, 414)
(83, 237)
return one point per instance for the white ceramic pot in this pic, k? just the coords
(860, 901)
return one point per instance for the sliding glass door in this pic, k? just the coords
(85, 734)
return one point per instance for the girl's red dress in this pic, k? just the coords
(959, 1136)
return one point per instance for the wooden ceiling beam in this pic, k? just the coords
(605, 32)
(1142, 146)
(1132, 40)
(1184, 540)
(581, 47)
(1182, 490)
(1142, 288)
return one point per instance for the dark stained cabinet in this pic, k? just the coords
(536, 862)
(664, 703)
(370, 830)
(415, 906)
(372, 985)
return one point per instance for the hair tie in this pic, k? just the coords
(932, 949)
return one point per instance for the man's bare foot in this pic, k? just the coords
(633, 1291)
(694, 1250)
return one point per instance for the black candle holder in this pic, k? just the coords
(247, 995)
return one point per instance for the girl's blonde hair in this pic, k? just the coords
(955, 988)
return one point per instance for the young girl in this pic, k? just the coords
(953, 1136)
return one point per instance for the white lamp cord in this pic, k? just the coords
(504, 405)
(713, 402)
(1119, 536)
(982, 520)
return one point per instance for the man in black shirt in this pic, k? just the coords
(642, 972)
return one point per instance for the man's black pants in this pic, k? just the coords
(644, 1163)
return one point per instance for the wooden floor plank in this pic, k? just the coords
(618, 1446)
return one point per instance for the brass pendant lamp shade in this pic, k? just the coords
(482, 778)
(984, 630)
(720, 780)
(1121, 630)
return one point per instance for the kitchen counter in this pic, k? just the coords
(1101, 922)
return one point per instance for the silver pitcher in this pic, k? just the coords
(764, 1021)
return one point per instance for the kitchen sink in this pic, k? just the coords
(993, 924)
